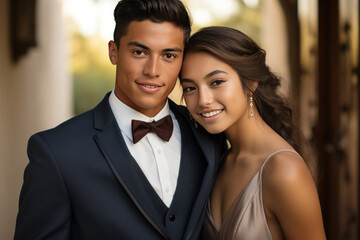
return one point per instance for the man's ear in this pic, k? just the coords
(112, 52)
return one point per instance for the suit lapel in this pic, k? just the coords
(124, 167)
(206, 144)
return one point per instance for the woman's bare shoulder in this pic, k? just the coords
(291, 196)
(285, 167)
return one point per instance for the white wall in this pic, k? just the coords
(4, 120)
(35, 94)
(274, 41)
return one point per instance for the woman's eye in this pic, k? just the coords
(188, 89)
(217, 82)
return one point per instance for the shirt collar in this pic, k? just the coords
(124, 114)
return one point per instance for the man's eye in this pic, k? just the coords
(138, 52)
(169, 56)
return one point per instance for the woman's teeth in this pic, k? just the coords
(210, 114)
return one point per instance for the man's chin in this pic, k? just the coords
(150, 108)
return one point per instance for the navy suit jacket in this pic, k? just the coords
(82, 183)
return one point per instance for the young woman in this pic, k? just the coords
(264, 189)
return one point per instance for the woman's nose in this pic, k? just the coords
(205, 96)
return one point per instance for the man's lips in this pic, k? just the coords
(149, 87)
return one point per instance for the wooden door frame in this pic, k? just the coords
(328, 113)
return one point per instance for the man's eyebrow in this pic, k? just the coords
(137, 44)
(175, 49)
(214, 73)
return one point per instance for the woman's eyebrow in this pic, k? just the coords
(214, 73)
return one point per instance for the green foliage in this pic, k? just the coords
(93, 73)
(247, 19)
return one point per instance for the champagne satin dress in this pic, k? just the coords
(245, 219)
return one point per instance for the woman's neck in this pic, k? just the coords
(247, 135)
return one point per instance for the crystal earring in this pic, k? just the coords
(251, 106)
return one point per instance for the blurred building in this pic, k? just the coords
(329, 106)
(35, 89)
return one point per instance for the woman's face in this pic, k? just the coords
(213, 92)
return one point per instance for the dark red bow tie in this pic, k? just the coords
(163, 128)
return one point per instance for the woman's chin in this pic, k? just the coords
(213, 130)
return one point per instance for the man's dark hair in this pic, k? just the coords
(157, 11)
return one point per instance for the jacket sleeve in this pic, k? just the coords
(44, 206)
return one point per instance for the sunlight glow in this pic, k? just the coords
(92, 17)
(204, 12)
(251, 3)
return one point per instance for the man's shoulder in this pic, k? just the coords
(81, 123)
(70, 127)
(180, 108)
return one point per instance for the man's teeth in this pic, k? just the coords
(150, 86)
(210, 114)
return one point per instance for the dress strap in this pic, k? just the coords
(278, 151)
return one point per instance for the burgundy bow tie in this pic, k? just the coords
(163, 128)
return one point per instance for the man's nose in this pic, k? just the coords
(152, 67)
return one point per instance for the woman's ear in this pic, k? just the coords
(112, 52)
(252, 84)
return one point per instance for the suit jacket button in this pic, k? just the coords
(172, 217)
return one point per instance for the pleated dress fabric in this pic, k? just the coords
(245, 219)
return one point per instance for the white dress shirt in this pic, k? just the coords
(159, 160)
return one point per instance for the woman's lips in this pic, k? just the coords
(209, 116)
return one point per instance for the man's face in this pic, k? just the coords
(148, 62)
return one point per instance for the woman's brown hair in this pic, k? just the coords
(248, 60)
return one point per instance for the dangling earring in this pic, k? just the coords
(251, 106)
(194, 121)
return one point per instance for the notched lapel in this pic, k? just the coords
(116, 153)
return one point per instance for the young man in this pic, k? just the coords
(93, 178)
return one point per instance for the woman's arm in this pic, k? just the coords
(290, 196)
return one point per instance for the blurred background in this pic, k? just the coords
(54, 65)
